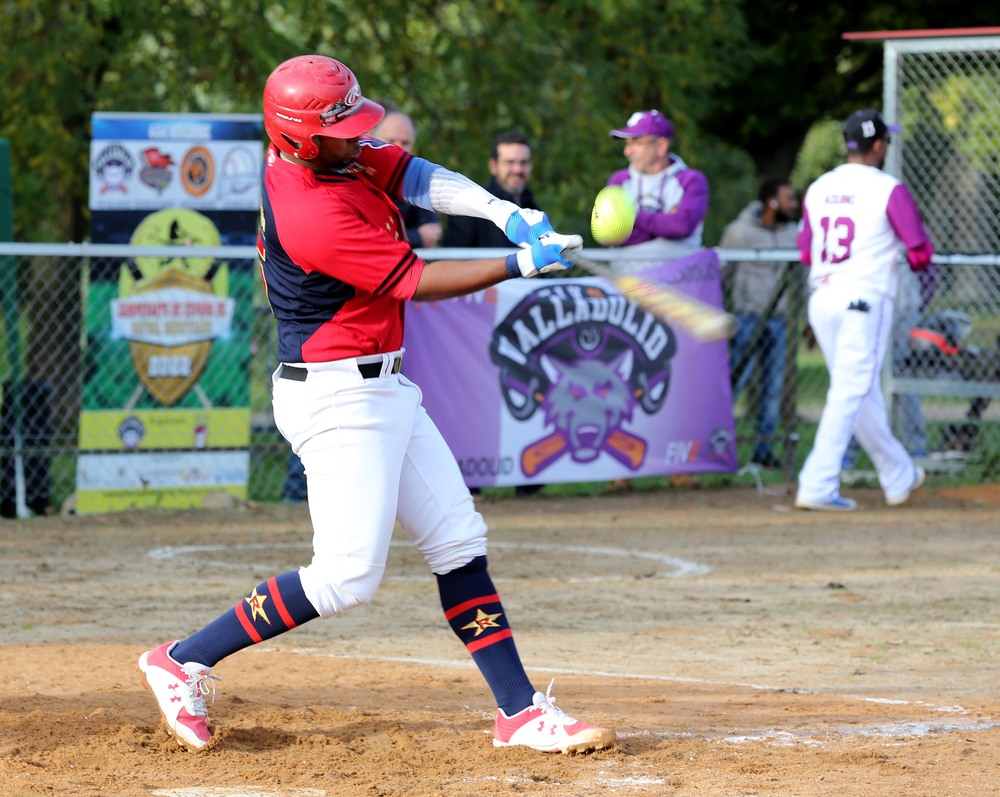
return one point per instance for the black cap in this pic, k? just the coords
(865, 126)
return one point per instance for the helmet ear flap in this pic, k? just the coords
(306, 150)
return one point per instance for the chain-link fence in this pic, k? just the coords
(946, 93)
(45, 367)
(940, 378)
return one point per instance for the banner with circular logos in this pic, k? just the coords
(165, 411)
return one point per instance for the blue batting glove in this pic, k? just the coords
(526, 226)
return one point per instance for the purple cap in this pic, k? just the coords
(645, 123)
(866, 125)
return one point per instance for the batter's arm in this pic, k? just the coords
(434, 187)
(446, 279)
(428, 185)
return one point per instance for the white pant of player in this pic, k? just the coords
(372, 456)
(853, 344)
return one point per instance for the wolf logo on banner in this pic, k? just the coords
(587, 359)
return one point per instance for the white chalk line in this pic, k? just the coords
(237, 791)
(898, 732)
(911, 728)
(679, 568)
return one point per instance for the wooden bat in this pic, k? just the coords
(704, 321)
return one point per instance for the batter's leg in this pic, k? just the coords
(438, 513)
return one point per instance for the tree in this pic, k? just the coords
(64, 61)
(565, 75)
(799, 69)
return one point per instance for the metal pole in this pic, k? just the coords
(10, 298)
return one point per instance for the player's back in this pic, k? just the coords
(852, 239)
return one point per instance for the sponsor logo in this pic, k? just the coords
(681, 451)
(171, 309)
(131, 431)
(238, 174)
(588, 360)
(715, 449)
(158, 170)
(719, 444)
(197, 171)
(113, 166)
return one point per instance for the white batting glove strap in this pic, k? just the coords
(570, 247)
(551, 252)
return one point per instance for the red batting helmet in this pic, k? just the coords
(313, 95)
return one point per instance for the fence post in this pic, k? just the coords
(10, 300)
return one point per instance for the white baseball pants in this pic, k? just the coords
(853, 343)
(372, 456)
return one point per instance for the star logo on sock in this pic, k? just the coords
(482, 622)
(256, 604)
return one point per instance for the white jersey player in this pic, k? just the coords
(856, 220)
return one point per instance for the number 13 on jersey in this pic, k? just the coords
(838, 235)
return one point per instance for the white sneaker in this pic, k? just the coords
(548, 729)
(180, 691)
(902, 498)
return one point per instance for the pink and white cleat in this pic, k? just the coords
(544, 727)
(180, 691)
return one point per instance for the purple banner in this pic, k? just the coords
(565, 380)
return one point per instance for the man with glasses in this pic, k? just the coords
(510, 170)
(856, 220)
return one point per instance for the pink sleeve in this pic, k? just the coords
(904, 218)
(804, 239)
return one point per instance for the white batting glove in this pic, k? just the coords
(526, 226)
(548, 253)
(570, 246)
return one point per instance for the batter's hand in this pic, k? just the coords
(526, 226)
(551, 252)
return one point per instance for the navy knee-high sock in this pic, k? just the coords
(273, 607)
(473, 610)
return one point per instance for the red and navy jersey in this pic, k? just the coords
(334, 257)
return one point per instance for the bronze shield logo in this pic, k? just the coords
(169, 372)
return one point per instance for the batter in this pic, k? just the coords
(338, 270)
(856, 220)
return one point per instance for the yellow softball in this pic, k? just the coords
(613, 216)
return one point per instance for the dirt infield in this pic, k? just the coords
(739, 648)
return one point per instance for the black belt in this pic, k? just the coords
(368, 370)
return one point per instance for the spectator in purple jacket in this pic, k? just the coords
(672, 201)
(671, 197)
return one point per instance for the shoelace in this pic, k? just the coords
(550, 704)
(197, 683)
